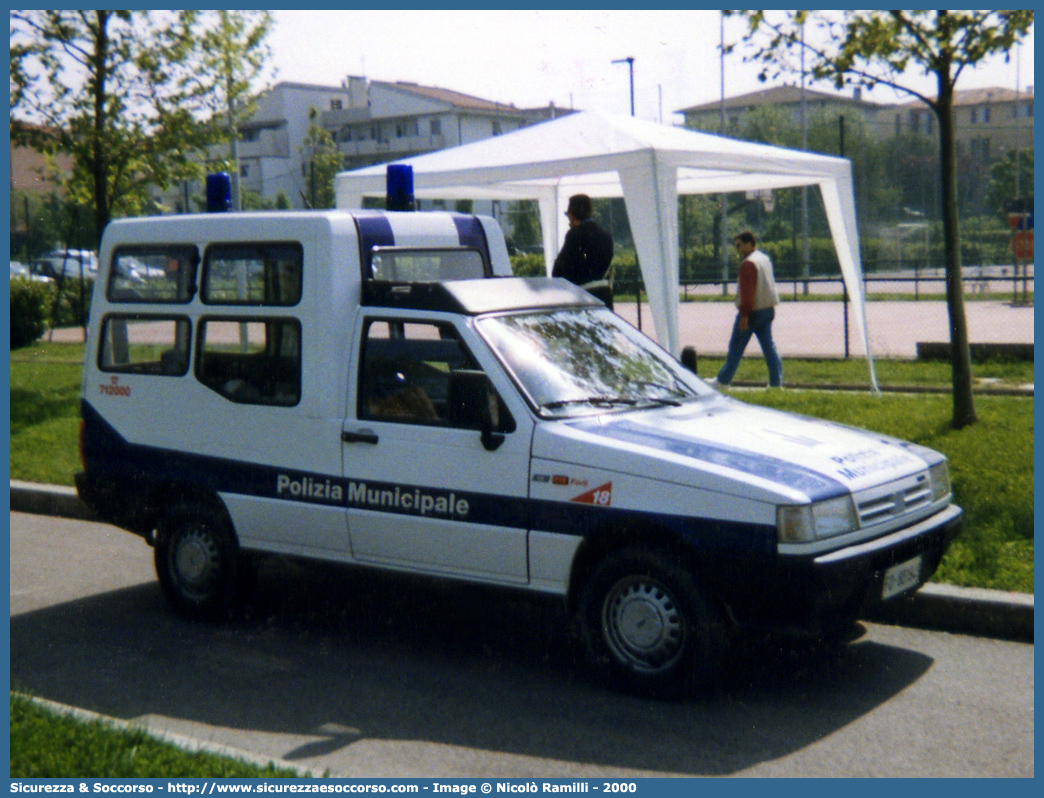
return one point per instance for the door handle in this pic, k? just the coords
(362, 436)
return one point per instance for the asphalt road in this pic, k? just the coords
(368, 675)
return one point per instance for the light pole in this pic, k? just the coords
(637, 280)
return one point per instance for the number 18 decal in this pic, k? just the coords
(601, 496)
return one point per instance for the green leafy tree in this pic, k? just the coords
(113, 90)
(872, 48)
(234, 57)
(1002, 186)
(324, 162)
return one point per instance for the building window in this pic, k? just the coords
(244, 170)
(986, 115)
(496, 127)
(973, 116)
(335, 105)
(436, 127)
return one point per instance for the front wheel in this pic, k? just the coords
(647, 626)
(198, 562)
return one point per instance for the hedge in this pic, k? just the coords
(30, 310)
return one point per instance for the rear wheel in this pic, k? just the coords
(647, 626)
(198, 562)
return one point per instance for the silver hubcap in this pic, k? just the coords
(197, 560)
(643, 624)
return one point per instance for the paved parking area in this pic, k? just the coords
(817, 329)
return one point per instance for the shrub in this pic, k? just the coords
(527, 264)
(73, 307)
(30, 310)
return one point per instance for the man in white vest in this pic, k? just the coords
(756, 300)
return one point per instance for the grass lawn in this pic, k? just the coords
(46, 744)
(896, 373)
(991, 462)
(991, 468)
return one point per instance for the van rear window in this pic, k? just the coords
(153, 274)
(145, 345)
(252, 274)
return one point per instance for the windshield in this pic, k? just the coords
(582, 361)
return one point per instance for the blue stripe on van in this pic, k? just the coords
(374, 231)
(815, 485)
(471, 234)
(109, 456)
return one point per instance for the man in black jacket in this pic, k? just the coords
(587, 252)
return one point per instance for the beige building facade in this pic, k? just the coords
(989, 122)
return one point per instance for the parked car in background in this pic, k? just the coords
(67, 263)
(19, 271)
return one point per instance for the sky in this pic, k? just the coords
(532, 58)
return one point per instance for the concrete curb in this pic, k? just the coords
(987, 613)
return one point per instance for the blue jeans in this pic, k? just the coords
(759, 323)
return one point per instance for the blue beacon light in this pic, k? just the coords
(219, 192)
(399, 188)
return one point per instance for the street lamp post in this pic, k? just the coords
(630, 66)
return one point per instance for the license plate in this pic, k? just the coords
(902, 577)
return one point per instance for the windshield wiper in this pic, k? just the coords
(591, 400)
(662, 401)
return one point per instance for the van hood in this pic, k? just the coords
(770, 450)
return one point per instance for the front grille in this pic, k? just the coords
(894, 500)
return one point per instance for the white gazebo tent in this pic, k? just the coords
(647, 164)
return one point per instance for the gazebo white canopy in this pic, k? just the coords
(647, 164)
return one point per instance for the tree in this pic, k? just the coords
(872, 48)
(234, 55)
(324, 162)
(1002, 185)
(111, 89)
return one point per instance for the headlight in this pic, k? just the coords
(939, 474)
(807, 522)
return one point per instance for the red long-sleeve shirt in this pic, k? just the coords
(747, 287)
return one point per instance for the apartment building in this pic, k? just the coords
(708, 116)
(988, 122)
(370, 121)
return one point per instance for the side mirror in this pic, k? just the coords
(473, 405)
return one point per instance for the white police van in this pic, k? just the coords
(372, 388)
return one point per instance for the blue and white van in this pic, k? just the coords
(373, 388)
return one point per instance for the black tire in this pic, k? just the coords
(646, 625)
(198, 563)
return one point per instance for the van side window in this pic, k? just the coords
(153, 274)
(405, 372)
(144, 345)
(251, 361)
(252, 274)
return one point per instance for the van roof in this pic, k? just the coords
(472, 297)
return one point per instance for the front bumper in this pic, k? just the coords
(827, 590)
